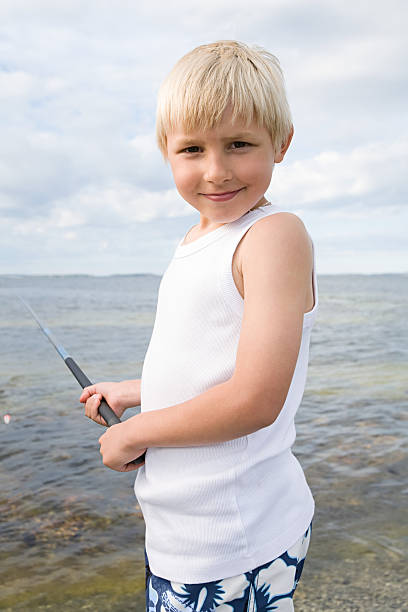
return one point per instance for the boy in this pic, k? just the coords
(226, 504)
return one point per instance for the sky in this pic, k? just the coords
(83, 187)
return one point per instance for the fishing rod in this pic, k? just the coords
(104, 409)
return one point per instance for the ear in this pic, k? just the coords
(279, 155)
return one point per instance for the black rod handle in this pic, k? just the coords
(104, 409)
(77, 372)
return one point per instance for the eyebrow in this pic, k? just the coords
(242, 136)
(187, 141)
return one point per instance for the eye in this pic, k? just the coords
(192, 149)
(239, 144)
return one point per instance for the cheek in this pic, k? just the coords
(183, 176)
(258, 172)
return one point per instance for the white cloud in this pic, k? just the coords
(344, 179)
(77, 92)
(375, 57)
(111, 206)
(15, 84)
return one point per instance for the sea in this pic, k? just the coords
(71, 531)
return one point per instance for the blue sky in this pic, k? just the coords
(83, 188)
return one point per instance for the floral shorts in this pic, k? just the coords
(268, 587)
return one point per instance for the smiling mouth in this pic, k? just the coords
(222, 197)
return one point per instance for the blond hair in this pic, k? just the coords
(210, 77)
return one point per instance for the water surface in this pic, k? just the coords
(71, 533)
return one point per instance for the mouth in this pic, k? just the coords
(222, 197)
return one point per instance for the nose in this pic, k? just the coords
(217, 169)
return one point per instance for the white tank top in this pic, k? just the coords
(222, 509)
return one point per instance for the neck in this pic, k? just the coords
(262, 202)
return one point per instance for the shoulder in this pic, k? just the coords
(280, 235)
(277, 263)
(278, 222)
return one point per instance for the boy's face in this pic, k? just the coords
(222, 172)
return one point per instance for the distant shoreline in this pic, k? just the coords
(136, 274)
(130, 275)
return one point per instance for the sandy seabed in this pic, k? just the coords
(369, 584)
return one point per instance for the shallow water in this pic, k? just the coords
(71, 533)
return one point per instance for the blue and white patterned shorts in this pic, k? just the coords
(268, 587)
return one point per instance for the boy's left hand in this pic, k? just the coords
(117, 453)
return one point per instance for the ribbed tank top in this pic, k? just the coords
(222, 509)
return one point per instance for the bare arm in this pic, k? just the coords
(276, 266)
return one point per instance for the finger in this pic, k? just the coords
(86, 393)
(130, 467)
(91, 406)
